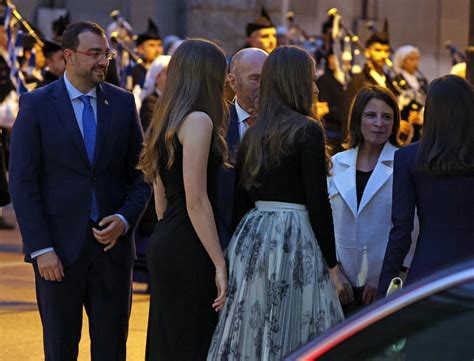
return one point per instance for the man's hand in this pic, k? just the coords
(50, 267)
(342, 285)
(114, 228)
(406, 132)
(322, 108)
(415, 117)
(368, 294)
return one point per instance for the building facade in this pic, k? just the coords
(427, 24)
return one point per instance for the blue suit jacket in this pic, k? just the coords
(445, 208)
(51, 179)
(226, 182)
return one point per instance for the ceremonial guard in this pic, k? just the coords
(377, 52)
(54, 62)
(261, 33)
(8, 110)
(149, 48)
(412, 86)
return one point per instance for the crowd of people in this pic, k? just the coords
(282, 198)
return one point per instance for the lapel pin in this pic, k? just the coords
(106, 102)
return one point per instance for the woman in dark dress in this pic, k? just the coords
(181, 157)
(436, 176)
(280, 291)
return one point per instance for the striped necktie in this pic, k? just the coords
(89, 129)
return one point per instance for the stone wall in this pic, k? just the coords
(225, 21)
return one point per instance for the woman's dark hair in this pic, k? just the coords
(447, 144)
(363, 96)
(70, 39)
(195, 82)
(285, 107)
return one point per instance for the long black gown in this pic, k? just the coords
(182, 276)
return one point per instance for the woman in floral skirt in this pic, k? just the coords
(282, 255)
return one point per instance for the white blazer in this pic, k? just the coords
(361, 232)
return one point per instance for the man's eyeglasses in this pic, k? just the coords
(97, 55)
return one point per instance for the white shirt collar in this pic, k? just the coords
(74, 93)
(241, 113)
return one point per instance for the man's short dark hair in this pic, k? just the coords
(71, 34)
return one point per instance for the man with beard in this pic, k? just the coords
(77, 196)
(244, 79)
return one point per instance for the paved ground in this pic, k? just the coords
(20, 325)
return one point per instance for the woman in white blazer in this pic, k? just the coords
(360, 191)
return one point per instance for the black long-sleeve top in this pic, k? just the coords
(300, 177)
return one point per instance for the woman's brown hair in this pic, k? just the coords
(363, 96)
(285, 107)
(447, 144)
(195, 82)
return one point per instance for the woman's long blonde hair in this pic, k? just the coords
(195, 82)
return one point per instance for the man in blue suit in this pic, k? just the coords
(77, 196)
(244, 79)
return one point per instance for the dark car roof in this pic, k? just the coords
(437, 282)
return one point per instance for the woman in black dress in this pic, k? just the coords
(184, 150)
(280, 291)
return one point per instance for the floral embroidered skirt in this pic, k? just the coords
(279, 292)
